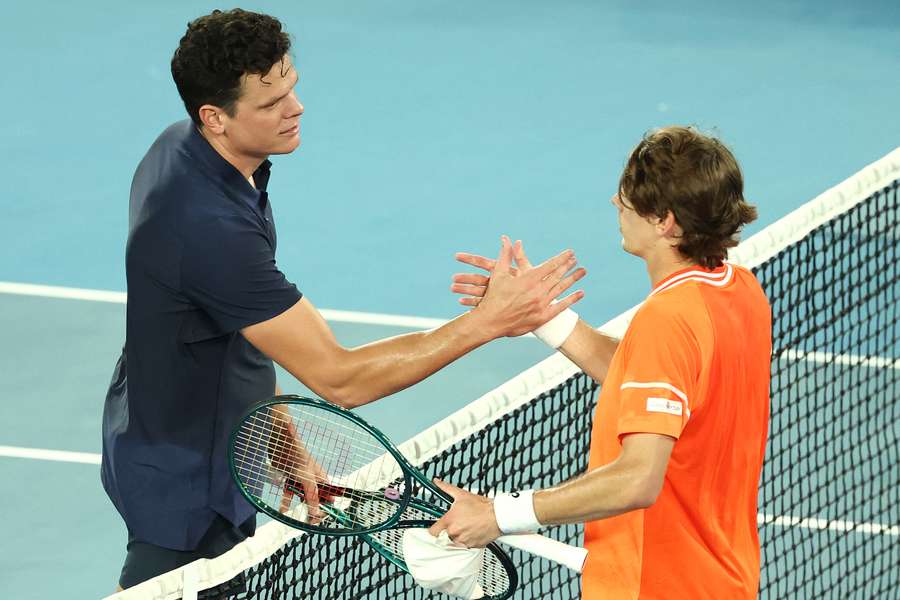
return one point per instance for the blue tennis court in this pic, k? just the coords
(430, 128)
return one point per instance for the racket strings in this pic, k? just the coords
(279, 451)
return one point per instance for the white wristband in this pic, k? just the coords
(515, 512)
(557, 330)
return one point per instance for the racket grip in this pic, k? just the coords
(563, 554)
(327, 492)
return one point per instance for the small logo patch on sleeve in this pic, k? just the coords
(664, 405)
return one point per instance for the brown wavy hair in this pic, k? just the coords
(217, 50)
(697, 178)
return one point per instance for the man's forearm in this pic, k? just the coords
(599, 494)
(630, 482)
(300, 340)
(387, 366)
(591, 350)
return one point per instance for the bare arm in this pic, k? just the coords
(590, 349)
(300, 340)
(631, 482)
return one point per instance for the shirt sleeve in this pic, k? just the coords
(661, 373)
(228, 269)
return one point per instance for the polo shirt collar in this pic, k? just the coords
(223, 171)
(717, 276)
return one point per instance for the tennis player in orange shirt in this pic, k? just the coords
(670, 495)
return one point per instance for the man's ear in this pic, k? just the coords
(212, 118)
(667, 226)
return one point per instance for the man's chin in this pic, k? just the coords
(287, 146)
(628, 249)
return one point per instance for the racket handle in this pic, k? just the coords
(563, 554)
(327, 492)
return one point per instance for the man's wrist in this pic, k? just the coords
(515, 512)
(557, 330)
(480, 327)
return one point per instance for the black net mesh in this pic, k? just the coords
(829, 497)
(830, 489)
(543, 442)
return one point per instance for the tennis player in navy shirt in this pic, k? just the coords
(209, 310)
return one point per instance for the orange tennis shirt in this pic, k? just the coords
(693, 365)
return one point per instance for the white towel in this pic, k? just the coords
(436, 563)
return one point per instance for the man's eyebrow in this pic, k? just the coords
(272, 101)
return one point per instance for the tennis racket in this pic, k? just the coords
(320, 468)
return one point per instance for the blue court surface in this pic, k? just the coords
(430, 127)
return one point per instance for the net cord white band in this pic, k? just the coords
(269, 538)
(823, 208)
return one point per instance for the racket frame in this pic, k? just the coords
(395, 522)
(260, 505)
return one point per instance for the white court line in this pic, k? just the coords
(822, 524)
(337, 316)
(49, 291)
(761, 518)
(53, 455)
(851, 360)
(346, 316)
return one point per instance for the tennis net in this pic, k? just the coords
(829, 500)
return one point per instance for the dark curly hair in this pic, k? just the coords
(696, 177)
(217, 50)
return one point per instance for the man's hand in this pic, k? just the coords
(518, 299)
(291, 458)
(309, 474)
(470, 521)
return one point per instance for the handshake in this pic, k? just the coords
(516, 297)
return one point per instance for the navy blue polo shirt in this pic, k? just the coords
(200, 264)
